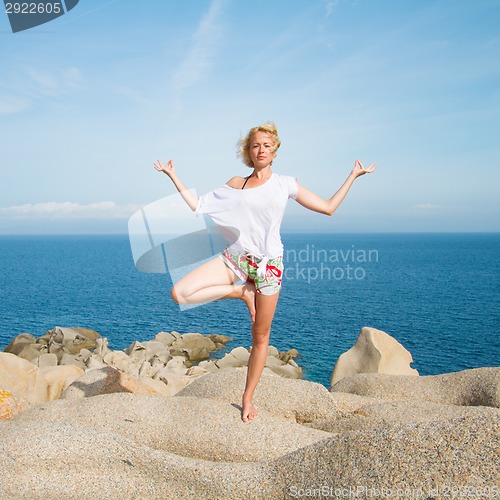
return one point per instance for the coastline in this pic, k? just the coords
(104, 431)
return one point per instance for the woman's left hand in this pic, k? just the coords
(359, 169)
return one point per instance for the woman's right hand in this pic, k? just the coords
(168, 168)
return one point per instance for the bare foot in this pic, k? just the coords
(249, 299)
(248, 412)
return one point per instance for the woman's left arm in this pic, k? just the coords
(314, 202)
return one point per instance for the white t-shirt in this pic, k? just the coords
(253, 214)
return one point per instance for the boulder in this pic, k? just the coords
(11, 405)
(191, 341)
(176, 365)
(425, 458)
(374, 352)
(105, 381)
(22, 378)
(167, 338)
(475, 387)
(287, 370)
(59, 378)
(136, 352)
(32, 352)
(236, 358)
(174, 425)
(118, 360)
(47, 359)
(272, 351)
(102, 348)
(18, 343)
(87, 332)
(208, 365)
(296, 400)
(71, 359)
(217, 338)
(71, 339)
(288, 355)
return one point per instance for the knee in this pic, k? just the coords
(176, 296)
(260, 336)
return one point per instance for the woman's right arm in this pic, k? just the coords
(169, 170)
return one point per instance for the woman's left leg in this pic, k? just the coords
(261, 330)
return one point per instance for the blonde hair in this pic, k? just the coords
(243, 147)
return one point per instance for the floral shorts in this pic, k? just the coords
(245, 266)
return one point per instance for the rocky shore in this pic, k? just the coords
(161, 419)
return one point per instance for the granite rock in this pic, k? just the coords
(297, 400)
(475, 387)
(374, 352)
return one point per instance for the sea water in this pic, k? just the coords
(437, 294)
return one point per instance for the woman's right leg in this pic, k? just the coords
(213, 281)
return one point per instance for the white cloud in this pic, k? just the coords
(54, 82)
(32, 84)
(103, 210)
(330, 6)
(11, 105)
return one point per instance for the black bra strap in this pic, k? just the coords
(246, 180)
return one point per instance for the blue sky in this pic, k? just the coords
(89, 101)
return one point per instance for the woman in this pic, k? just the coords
(252, 208)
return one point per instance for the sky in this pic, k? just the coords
(89, 101)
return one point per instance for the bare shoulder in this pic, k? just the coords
(236, 181)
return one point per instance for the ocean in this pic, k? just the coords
(437, 294)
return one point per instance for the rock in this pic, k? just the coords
(196, 353)
(154, 348)
(105, 381)
(288, 371)
(272, 362)
(118, 360)
(72, 340)
(196, 371)
(31, 352)
(375, 414)
(136, 352)
(102, 348)
(22, 378)
(59, 378)
(176, 365)
(374, 352)
(159, 387)
(296, 400)
(208, 365)
(71, 359)
(47, 359)
(11, 405)
(425, 457)
(476, 387)
(236, 358)
(288, 356)
(191, 341)
(87, 332)
(154, 422)
(18, 343)
(174, 375)
(272, 351)
(167, 338)
(219, 339)
(135, 446)
(94, 363)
